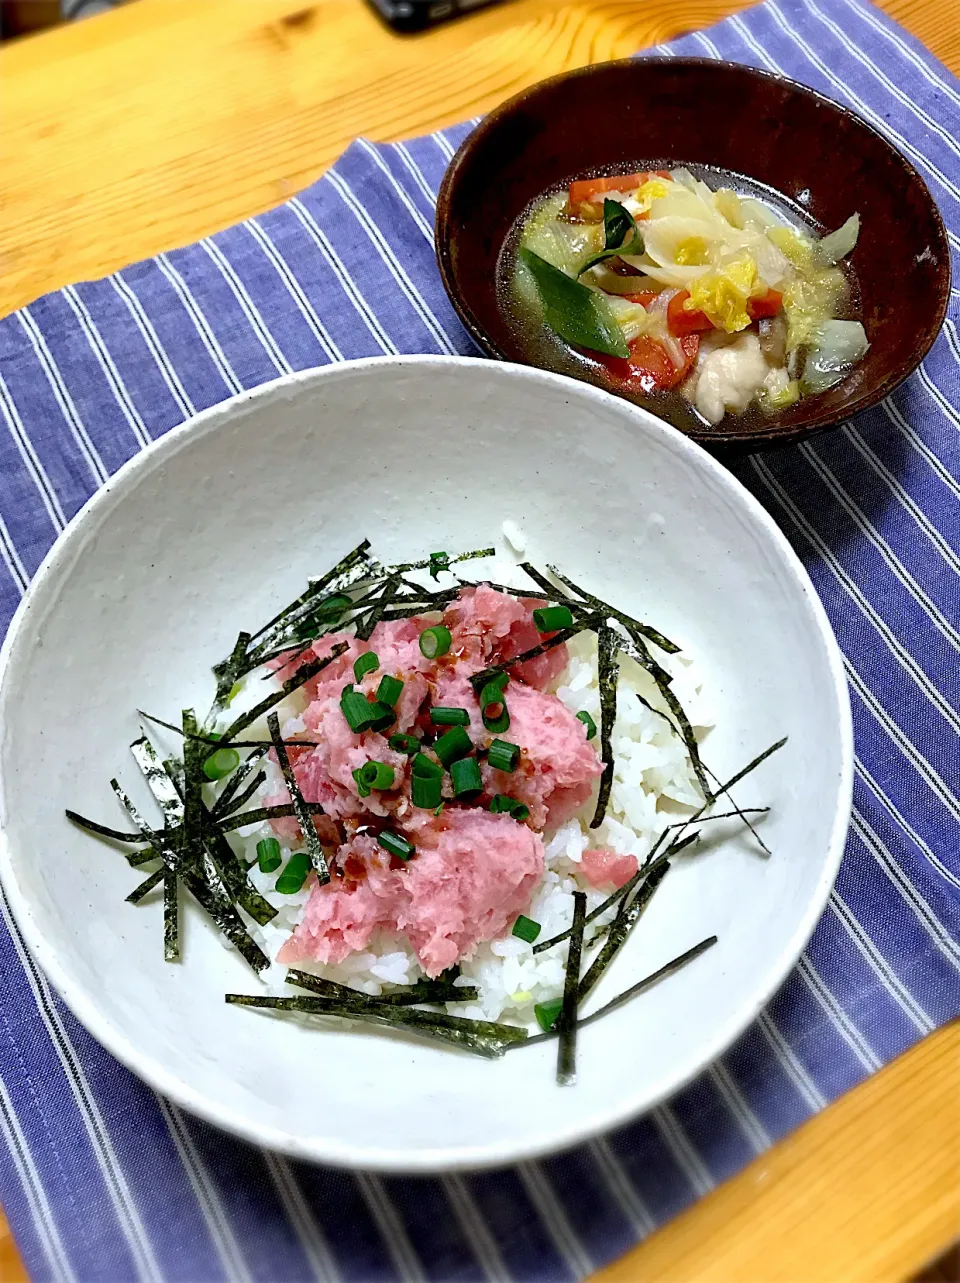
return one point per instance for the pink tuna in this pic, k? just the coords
(472, 874)
(607, 868)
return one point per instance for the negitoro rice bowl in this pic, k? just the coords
(428, 801)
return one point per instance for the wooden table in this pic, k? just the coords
(160, 122)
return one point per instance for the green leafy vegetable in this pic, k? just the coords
(578, 315)
(620, 234)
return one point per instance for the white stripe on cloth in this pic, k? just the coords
(416, 172)
(208, 1200)
(63, 398)
(304, 1222)
(682, 1149)
(751, 1126)
(884, 973)
(844, 1026)
(626, 1194)
(405, 200)
(124, 1204)
(892, 412)
(200, 324)
(292, 286)
(554, 1219)
(391, 262)
(11, 558)
(475, 1228)
(391, 1227)
(931, 856)
(792, 1065)
(149, 335)
(110, 371)
(938, 83)
(347, 283)
(21, 439)
(247, 305)
(41, 1213)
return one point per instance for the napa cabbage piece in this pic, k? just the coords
(831, 249)
(839, 345)
(564, 245)
(809, 301)
(723, 293)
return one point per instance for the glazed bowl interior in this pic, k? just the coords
(218, 525)
(664, 112)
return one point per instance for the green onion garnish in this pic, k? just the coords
(547, 1013)
(221, 763)
(455, 744)
(327, 612)
(435, 641)
(268, 855)
(294, 874)
(382, 716)
(363, 788)
(377, 775)
(426, 767)
(526, 929)
(449, 717)
(395, 844)
(493, 709)
(550, 619)
(504, 805)
(503, 756)
(589, 723)
(426, 791)
(401, 743)
(467, 782)
(438, 561)
(357, 709)
(366, 663)
(388, 692)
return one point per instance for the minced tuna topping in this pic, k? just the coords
(474, 870)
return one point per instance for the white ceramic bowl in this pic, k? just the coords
(222, 521)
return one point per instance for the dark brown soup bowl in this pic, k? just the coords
(671, 111)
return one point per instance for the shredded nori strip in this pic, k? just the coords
(303, 674)
(481, 679)
(216, 741)
(158, 781)
(652, 634)
(147, 885)
(102, 831)
(641, 986)
(229, 672)
(567, 1020)
(366, 625)
(667, 970)
(424, 990)
(241, 799)
(484, 1037)
(171, 918)
(651, 864)
(430, 562)
(607, 673)
(302, 811)
(627, 917)
(226, 798)
(358, 556)
(514, 592)
(285, 810)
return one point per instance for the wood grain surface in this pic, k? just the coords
(165, 120)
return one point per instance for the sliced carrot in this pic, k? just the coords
(680, 321)
(588, 189)
(768, 304)
(644, 298)
(649, 365)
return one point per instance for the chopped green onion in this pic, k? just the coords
(395, 844)
(235, 690)
(589, 723)
(382, 716)
(550, 619)
(426, 767)
(526, 929)
(294, 874)
(221, 763)
(377, 775)
(449, 717)
(426, 791)
(369, 662)
(547, 1013)
(456, 743)
(493, 709)
(504, 805)
(363, 788)
(438, 561)
(388, 692)
(268, 855)
(357, 709)
(327, 612)
(465, 773)
(401, 743)
(435, 641)
(503, 756)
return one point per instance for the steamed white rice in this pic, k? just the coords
(653, 786)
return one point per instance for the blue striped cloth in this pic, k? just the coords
(103, 1180)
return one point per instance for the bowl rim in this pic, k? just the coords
(164, 1078)
(774, 436)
